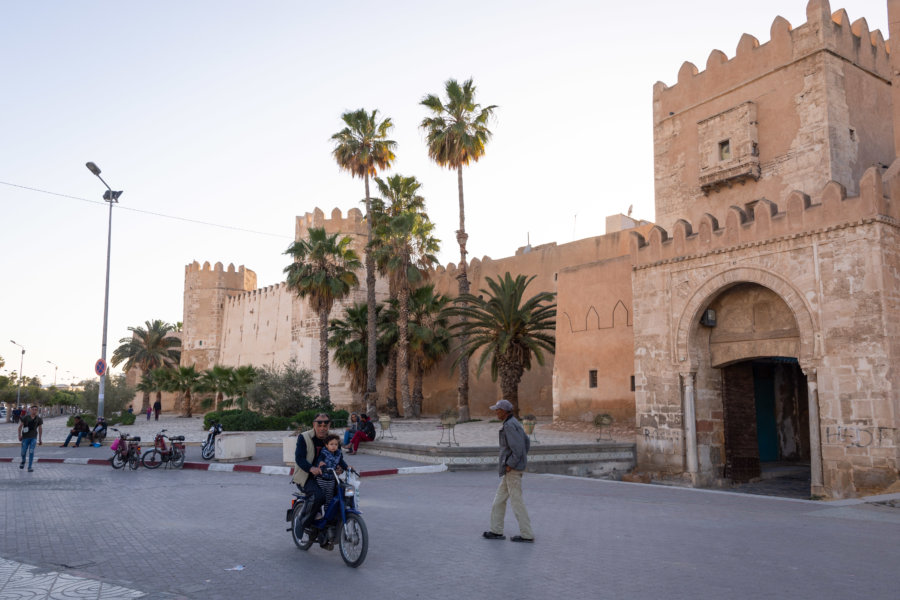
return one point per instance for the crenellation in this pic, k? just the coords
(765, 220)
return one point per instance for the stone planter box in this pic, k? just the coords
(288, 446)
(235, 447)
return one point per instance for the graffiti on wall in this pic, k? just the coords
(858, 436)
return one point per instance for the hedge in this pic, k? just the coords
(248, 420)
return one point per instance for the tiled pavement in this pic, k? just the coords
(182, 535)
(21, 581)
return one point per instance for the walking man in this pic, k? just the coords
(157, 406)
(514, 445)
(31, 431)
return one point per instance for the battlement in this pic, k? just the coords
(207, 276)
(353, 224)
(823, 31)
(236, 299)
(763, 221)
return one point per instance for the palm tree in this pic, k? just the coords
(158, 381)
(506, 330)
(361, 148)
(242, 379)
(220, 380)
(404, 248)
(349, 338)
(185, 380)
(147, 349)
(324, 271)
(429, 335)
(456, 135)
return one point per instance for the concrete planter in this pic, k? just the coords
(235, 447)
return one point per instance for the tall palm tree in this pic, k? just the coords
(404, 248)
(508, 330)
(148, 348)
(429, 335)
(349, 338)
(219, 380)
(456, 135)
(361, 148)
(324, 271)
(158, 381)
(185, 380)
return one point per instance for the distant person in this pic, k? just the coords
(80, 429)
(31, 431)
(514, 445)
(149, 412)
(16, 412)
(352, 428)
(130, 410)
(366, 433)
(157, 407)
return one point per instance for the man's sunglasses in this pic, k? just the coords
(322, 422)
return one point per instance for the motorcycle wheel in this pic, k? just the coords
(303, 541)
(177, 459)
(209, 450)
(354, 541)
(151, 459)
(134, 460)
(117, 460)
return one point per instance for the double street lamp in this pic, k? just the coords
(113, 198)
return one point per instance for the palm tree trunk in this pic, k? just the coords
(187, 404)
(145, 403)
(391, 391)
(371, 340)
(462, 391)
(403, 348)
(417, 395)
(510, 376)
(219, 397)
(323, 353)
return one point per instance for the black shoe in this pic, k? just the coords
(22, 465)
(30, 470)
(519, 538)
(490, 535)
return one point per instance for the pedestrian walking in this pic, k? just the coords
(31, 432)
(157, 406)
(514, 446)
(149, 412)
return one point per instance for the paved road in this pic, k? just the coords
(175, 534)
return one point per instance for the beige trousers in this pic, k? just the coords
(511, 489)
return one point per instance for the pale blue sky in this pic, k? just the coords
(222, 111)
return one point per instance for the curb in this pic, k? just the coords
(235, 468)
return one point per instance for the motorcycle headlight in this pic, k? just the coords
(349, 492)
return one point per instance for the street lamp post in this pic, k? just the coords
(113, 198)
(21, 366)
(55, 369)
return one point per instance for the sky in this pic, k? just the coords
(214, 118)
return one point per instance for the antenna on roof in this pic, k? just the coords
(630, 208)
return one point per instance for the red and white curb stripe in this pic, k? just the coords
(237, 468)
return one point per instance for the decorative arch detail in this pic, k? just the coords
(688, 322)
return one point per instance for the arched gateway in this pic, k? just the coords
(749, 338)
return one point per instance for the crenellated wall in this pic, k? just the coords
(809, 106)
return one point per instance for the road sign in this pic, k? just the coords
(100, 367)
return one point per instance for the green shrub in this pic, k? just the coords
(248, 420)
(126, 418)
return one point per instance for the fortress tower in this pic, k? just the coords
(205, 292)
(811, 105)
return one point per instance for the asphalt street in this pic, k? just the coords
(197, 534)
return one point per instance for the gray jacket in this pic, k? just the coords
(514, 445)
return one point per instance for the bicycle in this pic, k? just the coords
(170, 453)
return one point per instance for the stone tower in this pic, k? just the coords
(205, 292)
(807, 107)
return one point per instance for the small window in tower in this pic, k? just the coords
(725, 150)
(632, 383)
(200, 343)
(592, 378)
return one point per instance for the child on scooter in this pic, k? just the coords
(330, 457)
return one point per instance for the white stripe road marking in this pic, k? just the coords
(425, 469)
(269, 470)
(221, 467)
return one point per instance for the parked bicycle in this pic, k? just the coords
(126, 451)
(166, 449)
